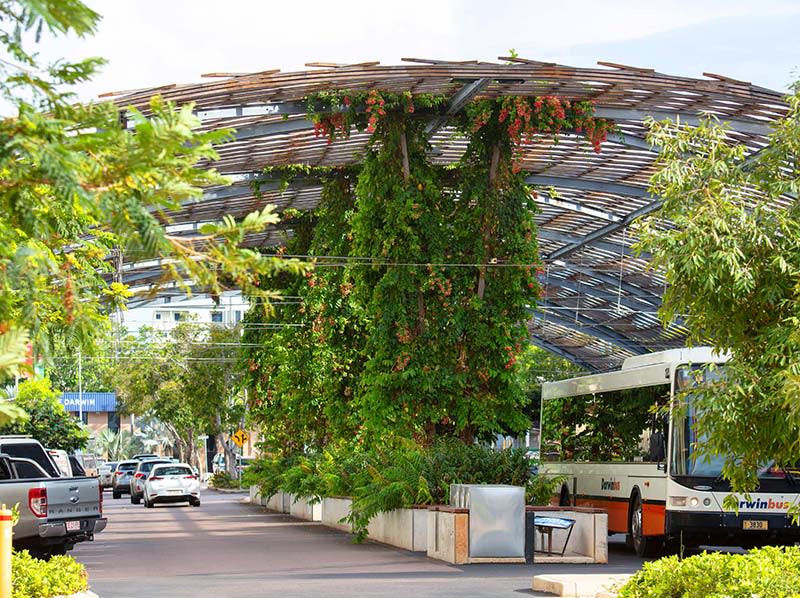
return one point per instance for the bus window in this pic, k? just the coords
(622, 425)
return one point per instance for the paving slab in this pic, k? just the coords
(579, 585)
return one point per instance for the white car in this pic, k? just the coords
(172, 482)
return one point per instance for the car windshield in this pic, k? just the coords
(146, 466)
(173, 470)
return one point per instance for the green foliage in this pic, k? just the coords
(541, 489)
(35, 578)
(185, 378)
(731, 256)
(222, 479)
(47, 421)
(388, 477)
(419, 334)
(83, 183)
(117, 446)
(769, 572)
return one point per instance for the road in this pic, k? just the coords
(225, 548)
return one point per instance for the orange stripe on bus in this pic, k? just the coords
(653, 519)
(617, 512)
(653, 516)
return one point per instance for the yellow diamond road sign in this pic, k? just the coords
(239, 437)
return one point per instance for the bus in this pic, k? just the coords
(620, 444)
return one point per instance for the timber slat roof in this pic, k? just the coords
(600, 300)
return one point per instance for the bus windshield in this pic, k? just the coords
(687, 458)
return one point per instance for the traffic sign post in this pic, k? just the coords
(240, 437)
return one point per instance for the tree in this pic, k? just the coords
(117, 446)
(84, 184)
(47, 421)
(185, 378)
(728, 241)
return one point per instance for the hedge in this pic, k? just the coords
(35, 578)
(769, 572)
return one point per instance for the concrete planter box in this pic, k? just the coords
(255, 496)
(403, 528)
(277, 502)
(300, 507)
(334, 509)
(588, 542)
(448, 534)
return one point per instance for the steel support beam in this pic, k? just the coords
(604, 231)
(456, 104)
(591, 327)
(563, 353)
(567, 239)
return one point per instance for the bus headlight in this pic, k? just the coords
(694, 501)
(707, 502)
(677, 501)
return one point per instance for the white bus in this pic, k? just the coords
(602, 434)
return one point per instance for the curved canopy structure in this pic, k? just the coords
(600, 299)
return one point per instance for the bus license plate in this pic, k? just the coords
(73, 526)
(758, 524)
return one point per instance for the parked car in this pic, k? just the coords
(138, 477)
(106, 473)
(122, 477)
(62, 460)
(55, 513)
(218, 462)
(77, 467)
(173, 482)
(145, 456)
(89, 463)
(29, 448)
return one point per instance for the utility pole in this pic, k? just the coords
(80, 386)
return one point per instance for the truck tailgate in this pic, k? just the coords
(72, 498)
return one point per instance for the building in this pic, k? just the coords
(98, 411)
(165, 312)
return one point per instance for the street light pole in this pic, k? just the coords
(80, 386)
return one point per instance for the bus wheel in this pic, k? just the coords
(563, 500)
(643, 545)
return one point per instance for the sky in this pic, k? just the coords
(150, 43)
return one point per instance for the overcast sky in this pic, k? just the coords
(149, 42)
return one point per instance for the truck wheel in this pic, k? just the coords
(645, 546)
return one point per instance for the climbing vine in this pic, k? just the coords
(417, 330)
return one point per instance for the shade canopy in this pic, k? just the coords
(600, 299)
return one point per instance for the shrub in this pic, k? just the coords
(222, 479)
(35, 578)
(769, 572)
(391, 477)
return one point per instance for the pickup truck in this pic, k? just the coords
(55, 513)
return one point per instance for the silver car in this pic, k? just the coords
(173, 482)
(107, 474)
(137, 480)
(121, 484)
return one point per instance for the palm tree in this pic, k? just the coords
(117, 446)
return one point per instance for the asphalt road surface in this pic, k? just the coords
(225, 548)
